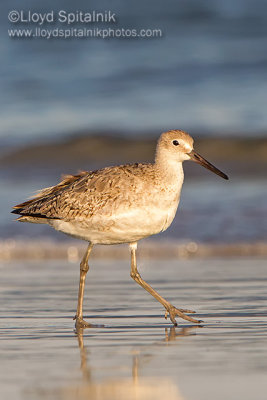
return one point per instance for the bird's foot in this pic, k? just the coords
(173, 312)
(80, 323)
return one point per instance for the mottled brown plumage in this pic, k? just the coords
(82, 195)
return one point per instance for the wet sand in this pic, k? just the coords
(137, 354)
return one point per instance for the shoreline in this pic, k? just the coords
(241, 156)
(72, 251)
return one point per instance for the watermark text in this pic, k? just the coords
(62, 16)
(84, 33)
(75, 24)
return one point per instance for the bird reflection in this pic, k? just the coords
(135, 387)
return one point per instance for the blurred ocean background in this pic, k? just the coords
(86, 103)
(207, 75)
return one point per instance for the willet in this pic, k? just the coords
(119, 204)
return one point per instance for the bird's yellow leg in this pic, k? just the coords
(84, 267)
(170, 309)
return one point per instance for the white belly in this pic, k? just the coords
(126, 227)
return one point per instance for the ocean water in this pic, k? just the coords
(207, 73)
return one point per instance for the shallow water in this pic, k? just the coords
(137, 354)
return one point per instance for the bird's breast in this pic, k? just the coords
(167, 211)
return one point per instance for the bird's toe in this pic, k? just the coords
(176, 312)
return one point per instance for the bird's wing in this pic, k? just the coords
(84, 194)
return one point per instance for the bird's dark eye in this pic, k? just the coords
(175, 143)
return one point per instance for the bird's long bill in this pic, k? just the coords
(200, 160)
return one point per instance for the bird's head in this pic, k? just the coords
(177, 146)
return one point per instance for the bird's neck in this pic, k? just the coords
(168, 169)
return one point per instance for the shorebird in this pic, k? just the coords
(119, 204)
